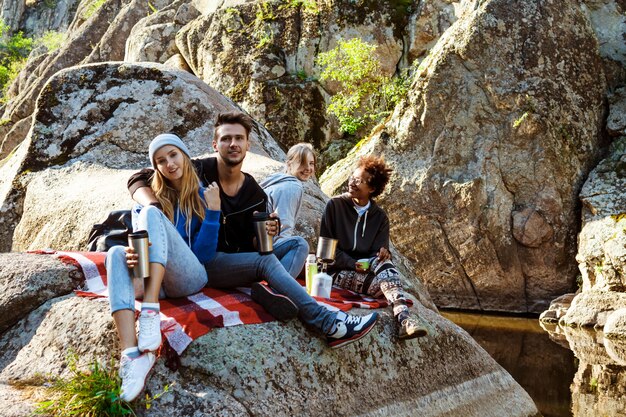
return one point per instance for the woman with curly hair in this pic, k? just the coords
(363, 261)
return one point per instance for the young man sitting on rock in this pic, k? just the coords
(236, 263)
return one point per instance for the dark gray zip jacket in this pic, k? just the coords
(359, 236)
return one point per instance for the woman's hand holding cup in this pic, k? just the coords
(362, 265)
(131, 257)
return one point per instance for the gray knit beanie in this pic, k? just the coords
(162, 140)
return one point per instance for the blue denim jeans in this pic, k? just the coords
(231, 270)
(184, 274)
(291, 252)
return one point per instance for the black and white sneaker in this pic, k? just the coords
(279, 306)
(349, 328)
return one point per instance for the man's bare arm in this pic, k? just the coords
(139, 187)
(144, 196)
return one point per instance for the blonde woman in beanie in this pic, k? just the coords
(183, 236)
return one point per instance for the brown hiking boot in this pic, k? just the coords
(411, 328)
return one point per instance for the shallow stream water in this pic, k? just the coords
(566, 371)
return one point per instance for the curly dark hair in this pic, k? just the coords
(379, 172)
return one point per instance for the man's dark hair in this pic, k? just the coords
(232, 118)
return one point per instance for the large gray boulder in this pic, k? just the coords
(490, 149)
(277, 368)
(101, 37)
(92, 124)
(153, 38)
(81, 39)
(29, 280)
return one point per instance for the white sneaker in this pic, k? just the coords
(149, 331)
(133, 373)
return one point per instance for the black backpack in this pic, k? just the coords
(113, 231)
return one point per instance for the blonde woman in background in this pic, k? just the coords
(284, 193)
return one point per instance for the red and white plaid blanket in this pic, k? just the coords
(187, 318)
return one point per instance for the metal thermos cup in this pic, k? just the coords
(139, 242)
(326, 248)
(265, 242)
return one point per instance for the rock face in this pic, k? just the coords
(608, 19)
(153, 38)
(490, 150)
(91, 121)
(599, 383)
(601, 244)
(262, 53)
(278, 369)
(28, 280)
(34, 18)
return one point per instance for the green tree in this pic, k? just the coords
(13, 52)
(365, 95)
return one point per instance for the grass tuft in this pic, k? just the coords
(91, 393)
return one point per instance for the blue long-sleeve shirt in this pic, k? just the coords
(201, 236)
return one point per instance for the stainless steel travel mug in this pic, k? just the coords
(139, 242)
(326, 248)
(265, 242)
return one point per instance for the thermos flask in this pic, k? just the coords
(139, 242)
(310, 271)
(265, 242)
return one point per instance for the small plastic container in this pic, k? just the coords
(321, 285)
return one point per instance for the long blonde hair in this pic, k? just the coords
(296, 156)
(188, 198)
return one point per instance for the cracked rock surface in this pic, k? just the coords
(490, 149)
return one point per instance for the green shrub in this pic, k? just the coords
(365, 96)
(261, 27)
(309, 6)
(86, 393)
(14, 50)
(92, 8)
(51, 40)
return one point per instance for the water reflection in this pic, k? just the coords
(543, 368)
(599, 387)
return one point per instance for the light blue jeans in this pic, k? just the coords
(291, 252)
(231, 270)
(184, 274)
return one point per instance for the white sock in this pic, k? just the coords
(151, 306)
(132, 352)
